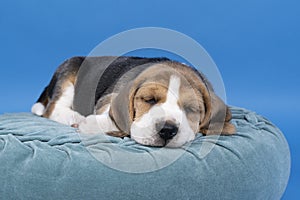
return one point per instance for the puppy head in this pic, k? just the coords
(167, 104)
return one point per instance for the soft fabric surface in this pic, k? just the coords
(41, 159)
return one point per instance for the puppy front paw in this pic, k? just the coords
(90, 125)
(66, 116)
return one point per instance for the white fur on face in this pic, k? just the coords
(63, 112)
(143, 130)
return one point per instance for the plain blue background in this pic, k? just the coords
(254, 43)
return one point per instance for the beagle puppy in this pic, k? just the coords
(156, 101)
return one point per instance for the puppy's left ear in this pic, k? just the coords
(122, 108)
(217, 116)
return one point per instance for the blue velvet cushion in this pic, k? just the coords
(41, 159)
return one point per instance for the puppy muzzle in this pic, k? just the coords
(166, 129)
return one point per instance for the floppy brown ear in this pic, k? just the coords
(121, 110)
(217, 116)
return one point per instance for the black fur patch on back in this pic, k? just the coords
(117, 69)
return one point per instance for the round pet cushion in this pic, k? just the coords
(41, 159)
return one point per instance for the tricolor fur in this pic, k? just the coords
(156, 101)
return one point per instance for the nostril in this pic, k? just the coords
(168, 131)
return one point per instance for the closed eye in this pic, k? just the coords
(191, 109)
(150, 101)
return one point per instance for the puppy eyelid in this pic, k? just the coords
(191, 109)
(150, 100)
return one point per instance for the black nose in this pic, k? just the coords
(168, 130)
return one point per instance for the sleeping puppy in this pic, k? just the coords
(155, 101)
